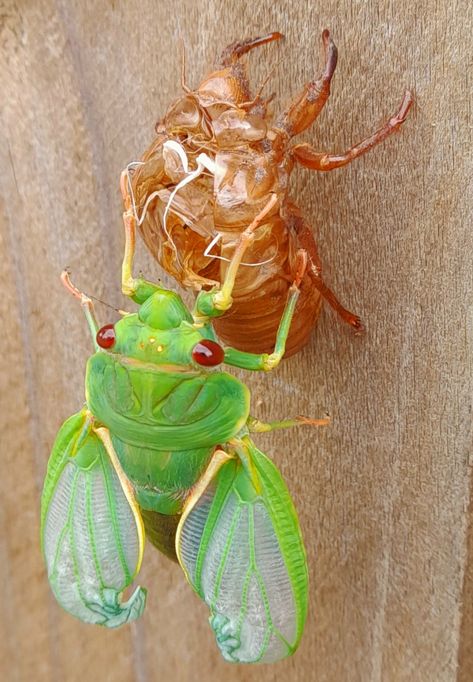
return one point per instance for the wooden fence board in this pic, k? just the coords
(384, 493)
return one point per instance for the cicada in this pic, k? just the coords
(217, 157)
(164, 447)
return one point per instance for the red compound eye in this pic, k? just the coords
(207, 353)
(106, 336)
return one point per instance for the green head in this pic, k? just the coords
(162, 332)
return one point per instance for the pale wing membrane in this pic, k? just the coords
(241, 548)
(91, 540)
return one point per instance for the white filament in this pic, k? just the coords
(217, 237)
(204, 162)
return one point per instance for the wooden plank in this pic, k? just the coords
(46, 179)
(384, 493)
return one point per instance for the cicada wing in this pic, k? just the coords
(240, 545)
(91, 535)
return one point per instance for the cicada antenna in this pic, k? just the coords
(81, 296)
(108, 305)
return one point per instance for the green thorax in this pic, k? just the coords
(162, 479)
(150, 406)
(165, 413)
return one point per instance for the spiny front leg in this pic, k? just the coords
(310, 102)
(235, 50)
(308, 157)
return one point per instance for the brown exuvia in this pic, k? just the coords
(217, 160)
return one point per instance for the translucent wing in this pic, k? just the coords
(91, 534)
(240, 545)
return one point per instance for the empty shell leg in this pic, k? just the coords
(308, 157)
(234, 51)
(310, 102)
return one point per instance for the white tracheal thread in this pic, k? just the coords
(204, 162)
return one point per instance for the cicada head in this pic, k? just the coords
(162, 332)
(163, 310)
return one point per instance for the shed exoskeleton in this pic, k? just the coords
(163, 447)
(217, 157)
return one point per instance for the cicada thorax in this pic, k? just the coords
(187, 213)
(164, 422)
(192, 227)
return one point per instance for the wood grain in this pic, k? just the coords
(384, 493)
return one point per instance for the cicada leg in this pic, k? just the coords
(240, 546)
(91, 530)
(87, 306)
(256, 426)
(235, 50)
(346, 315)
(86, 303)
(268, 361)
(310, 102)
(308, 157)
(137, 289)
(215, 302)
(305, 238)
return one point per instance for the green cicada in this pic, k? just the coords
(163, 445)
